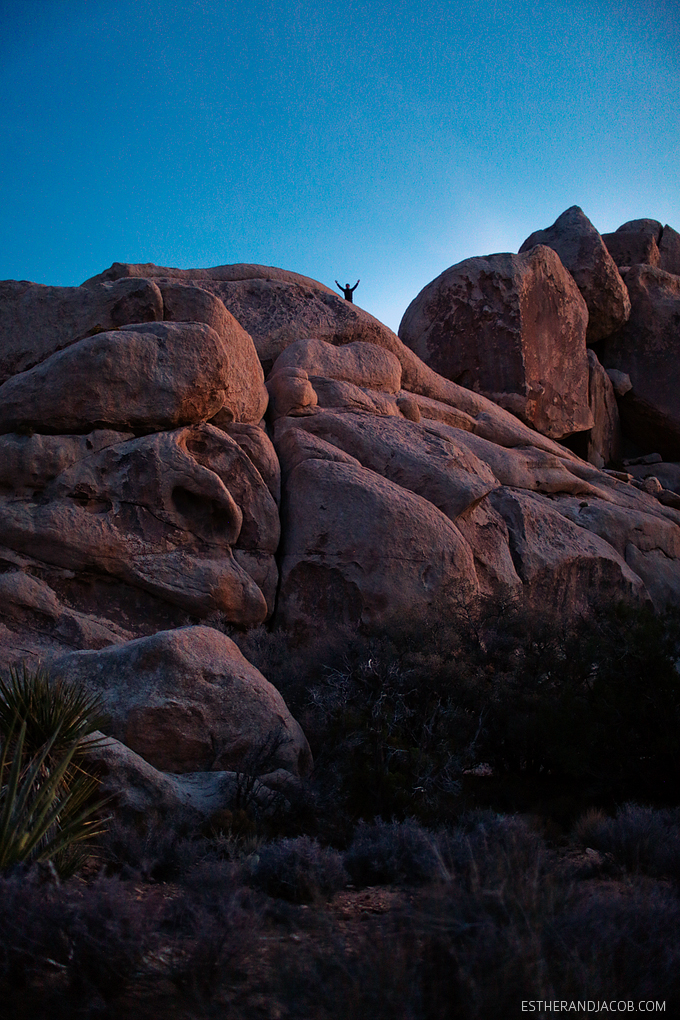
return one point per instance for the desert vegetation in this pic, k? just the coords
(492, 818)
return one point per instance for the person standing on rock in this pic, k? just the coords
(348, 291)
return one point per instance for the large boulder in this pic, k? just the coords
(583, 253)
(635, 242)
(187, 700)
(140, 792)
(560, 564)
(147, 377)
(245, 393)
(646, 348)
(669, 251)
(513, 328)
(36, 321)
(360, 550)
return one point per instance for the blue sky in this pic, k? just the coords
(382, 140)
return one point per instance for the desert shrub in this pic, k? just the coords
(389, 737)
(618, 945)
(385, 852)
(641, 839)
(488, 850)
(158, 851)
(214, 924)
(298, 869)
(31, 938)
(109, 931)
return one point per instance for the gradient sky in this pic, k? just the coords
(382, 140)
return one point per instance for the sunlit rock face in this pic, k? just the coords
(154, 490)
(583, 253)
(512, 327)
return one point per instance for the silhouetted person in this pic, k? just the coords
(348, 291)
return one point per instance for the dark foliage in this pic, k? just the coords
(641, 839)
(394, 852)
(298, 869)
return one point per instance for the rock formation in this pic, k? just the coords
(512, 327)
(154, 490)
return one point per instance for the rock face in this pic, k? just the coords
(158, 376)
(583, 253)
(37, 321)
(145, 504)
(646, 348)
(186, 700)
(634, 243)
(512, 327)
(274, 306)
(163, 513)
(382, 512)
(604, 439)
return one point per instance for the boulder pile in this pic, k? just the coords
(187, 450)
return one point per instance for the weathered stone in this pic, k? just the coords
(334, 393)
(291, 392)
(603, 443)
(669, 251)
(245, 394)
(641, 226)
(667, 473)
(141, 792)
(154, 512)
(362, 364)
(646, 348)
(36, 321)
(360, 550)
(258, 447)
(439, 469)
(583, 253)
(35, 622)
(633, 247)
(218, 274)
(511, 327)
(620, 381)
(147, 376)
(561, 566)
(188, 701)
(641, 531)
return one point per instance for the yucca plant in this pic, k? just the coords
(48, 804)
(47, 706)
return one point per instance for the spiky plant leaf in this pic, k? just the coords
(40, 818)
(46, 705)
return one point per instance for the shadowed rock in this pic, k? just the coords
(188, 701)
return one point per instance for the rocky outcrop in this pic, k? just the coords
(361, 538)
(187, 700)
(141, 493)
(634, 243)
(163, 513)
(158, 376)
(274, 306)
(583, 253)
(646, 349)
(36, 321)
(513, 328)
